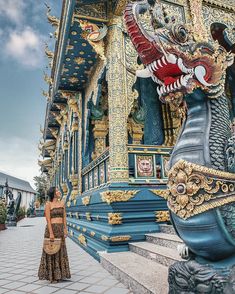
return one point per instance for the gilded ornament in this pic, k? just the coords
(162, 216)
(120, 238)
(118, 195)
(86, 200)
(92, 234)
(79, 60)
(104, 238)
(114, 218)
(194, 189)
(88, 216)
(82, 240)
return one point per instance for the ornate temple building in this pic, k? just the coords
(107, 137)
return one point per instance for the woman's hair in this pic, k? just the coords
(51, 193)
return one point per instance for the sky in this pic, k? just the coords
(24, 30)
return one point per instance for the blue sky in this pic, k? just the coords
(23, 32)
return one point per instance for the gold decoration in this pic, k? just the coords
(79, 60)
(199, 30)
(114, 218)
(82, 239)
(162, 216)
(94, 35)
(86, 200)
(73, 80)
(92, 234)
(104, 238)
(120, 238)
(88, 216)
(84, 230)
(118, 195)
(48, 79)
(100, 131)
(195, 189)
(161, 193)
(49, 53)
(121, 4)
(54, 21)
(136, 131)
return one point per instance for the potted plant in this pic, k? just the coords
(3, 215)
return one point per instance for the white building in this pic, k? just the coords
(17, 185)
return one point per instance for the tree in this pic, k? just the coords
(41, 183)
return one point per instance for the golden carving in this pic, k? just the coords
(79, 60)
(136, 131)
(200, 33)
(54, 21)
(118, 195)
(92, 234)
(88, 216)
(195, 189)
(84, 230)
(49, 53)
(94, 35)
(114, 218)
(121, 4)
(48, 79)
(73, 80)
(82, 239)
(162, 216)
(161, 193)
(120, 238)
(86, 200)
(100, 131)
(104, 238)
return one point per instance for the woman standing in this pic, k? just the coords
(55, 267)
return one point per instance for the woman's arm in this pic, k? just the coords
(48, 218)
(65, 222)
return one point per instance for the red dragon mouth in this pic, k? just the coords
(171, 74)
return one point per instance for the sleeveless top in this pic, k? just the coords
(57, 212)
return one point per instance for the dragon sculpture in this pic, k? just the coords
(190, 70)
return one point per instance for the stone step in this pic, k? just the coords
(165, 256)
(140, 275)
(168, 229)
(163, 239)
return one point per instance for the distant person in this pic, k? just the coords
(54, 266)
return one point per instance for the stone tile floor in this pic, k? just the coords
(20, 253)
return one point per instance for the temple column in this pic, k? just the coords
(116, 77)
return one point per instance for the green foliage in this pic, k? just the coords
(21, 213)
(41, 184)
(3, 212)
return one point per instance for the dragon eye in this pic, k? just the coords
(180, 33)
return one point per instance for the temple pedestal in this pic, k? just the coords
(192, 277)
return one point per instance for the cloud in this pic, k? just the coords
(18, 158)
(12, 9)
(25, 47)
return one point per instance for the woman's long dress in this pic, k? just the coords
(55, 267)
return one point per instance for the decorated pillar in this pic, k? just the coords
(117, 103)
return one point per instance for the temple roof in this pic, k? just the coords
(16, 183)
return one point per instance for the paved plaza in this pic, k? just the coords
(20, 253)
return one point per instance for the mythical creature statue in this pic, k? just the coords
(94, 35)
(190, 69)
(12, 208)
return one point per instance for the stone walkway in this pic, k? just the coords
(20, 253)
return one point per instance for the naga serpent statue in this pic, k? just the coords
(190, 70)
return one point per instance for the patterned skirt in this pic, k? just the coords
(55, 267)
